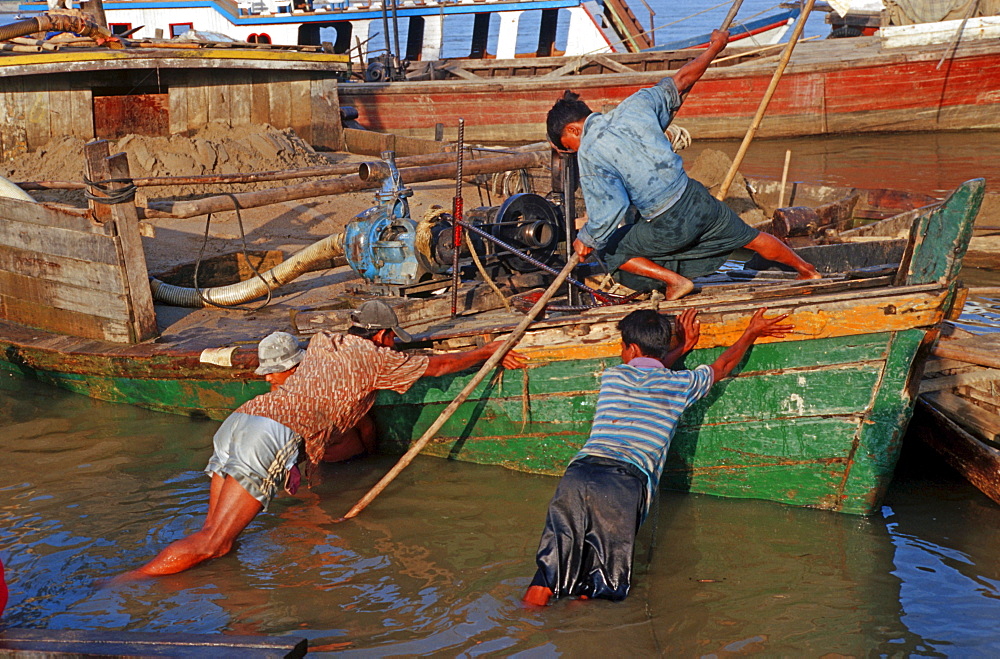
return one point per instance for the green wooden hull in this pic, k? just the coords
(815, 423)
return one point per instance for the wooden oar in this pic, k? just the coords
(762, 108)
(490, 364)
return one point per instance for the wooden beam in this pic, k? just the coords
(71, 643)
(142, 316)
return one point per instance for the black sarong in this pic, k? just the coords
(692, 238)
(589, 537)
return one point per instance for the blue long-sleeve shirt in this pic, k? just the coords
(626, 159)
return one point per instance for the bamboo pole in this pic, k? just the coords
(784, 178)
(490, 364)
(762, 108)
(215, 204)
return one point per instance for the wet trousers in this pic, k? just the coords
(692, 238)
(589, 537)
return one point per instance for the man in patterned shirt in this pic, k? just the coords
(318, 398)
(589, 537)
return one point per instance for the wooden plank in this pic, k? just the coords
(280, 104)
(300, 108)
(102, 304)
(13, 134)
(97, 170)
(37, 132)
(951, 381)
(178, 108)
(260, 98)
(240, 93)
(43, 215)
(133, 258)
(58, 242)
(324, 100)
(66, 643)
(218, 101)
(63, 321)
(81, 105)
(197, 103)
(86, 274)
(973, 418)
(60, 109)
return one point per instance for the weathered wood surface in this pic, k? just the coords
(51, 102)
(830, 86)
(958, 412)
(67, 643)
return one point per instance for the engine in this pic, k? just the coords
(399, 256)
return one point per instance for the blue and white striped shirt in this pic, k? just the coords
(637, 411)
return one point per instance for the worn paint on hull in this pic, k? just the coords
(819, 94)
(814, 423)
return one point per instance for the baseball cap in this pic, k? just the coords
(375, 314)
(277, 352)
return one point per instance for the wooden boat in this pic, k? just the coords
(814, 419)
(958, 411)
(863, 84)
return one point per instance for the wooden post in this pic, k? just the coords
(762, 108)
(123, 215)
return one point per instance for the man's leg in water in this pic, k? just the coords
(230, 510)
(773, 249)
(677, 286)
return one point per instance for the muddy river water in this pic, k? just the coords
(438, 563)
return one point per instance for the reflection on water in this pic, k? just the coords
(437, 564)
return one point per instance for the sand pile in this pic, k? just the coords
(710, 169)
(218, 148)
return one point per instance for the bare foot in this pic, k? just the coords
(679, 289)
(128, 577)
(537, 595)
(809, 274)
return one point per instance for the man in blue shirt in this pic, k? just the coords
(589, 538)
(626, 161)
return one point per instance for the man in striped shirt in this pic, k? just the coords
(589, 537)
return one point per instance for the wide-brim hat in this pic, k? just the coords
(278, 352)
(375, 314)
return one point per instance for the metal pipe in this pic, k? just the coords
(251, 289)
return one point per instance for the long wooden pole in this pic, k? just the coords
(764, 102)
(726, 22)
(490, 364)
(216, 204)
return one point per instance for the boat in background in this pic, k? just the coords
(958, 411)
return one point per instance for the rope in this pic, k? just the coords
(243, 238)
(110, 197)
(482, 271)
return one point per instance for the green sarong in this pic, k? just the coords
(692, 238)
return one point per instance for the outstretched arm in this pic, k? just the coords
(453, 363)
(688, 333)
(691, 72)
(758, 327)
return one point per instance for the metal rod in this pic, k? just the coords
(457, 215)
(607, 298)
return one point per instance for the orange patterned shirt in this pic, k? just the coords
(334, 386)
